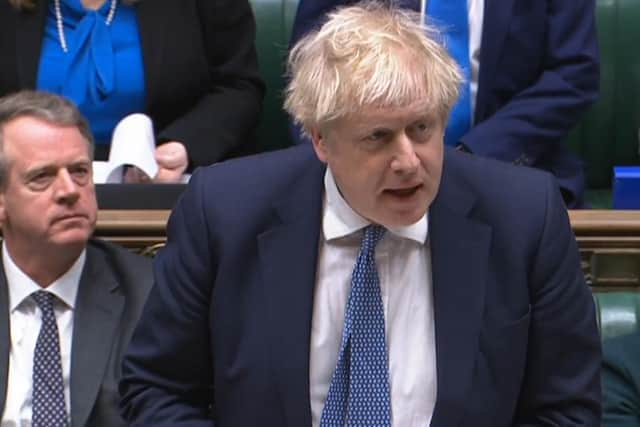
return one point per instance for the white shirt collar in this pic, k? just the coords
(340, 220)
(22, 286)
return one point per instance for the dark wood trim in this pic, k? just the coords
(609, 241)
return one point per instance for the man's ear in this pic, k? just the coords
(319, 144)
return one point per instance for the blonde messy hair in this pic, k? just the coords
(369, 55)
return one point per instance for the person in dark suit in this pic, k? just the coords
(466, 306)
(60, 361)
(534, 71)
(190, 65)
(621, 381)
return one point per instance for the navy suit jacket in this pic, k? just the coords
(539, 72)
(225, 334)
(113, 287)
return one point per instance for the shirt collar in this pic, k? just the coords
(22, 286)
(340, 220)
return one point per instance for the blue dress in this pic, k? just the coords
(103, 70)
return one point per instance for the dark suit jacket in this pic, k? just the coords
(621, 381)
(226, 330)
(539, 72)
(113, 287)
(201, 75)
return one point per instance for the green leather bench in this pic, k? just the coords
(607, 136)
(274, 20)
(617, 313)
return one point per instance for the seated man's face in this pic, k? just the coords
(387, 162)
(49, 197)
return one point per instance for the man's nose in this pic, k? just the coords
(66, 189)
(405, 160)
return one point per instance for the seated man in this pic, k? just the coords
(621, 381)
(372, 277)
(68, 303)
(532, 68)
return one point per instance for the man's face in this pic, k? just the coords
(387, 162)
(49, 199)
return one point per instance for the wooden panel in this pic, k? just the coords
(609, 247)
(141, 230)
(609, 241)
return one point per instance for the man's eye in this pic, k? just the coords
(423, 127)
(378, 135)
(80, 174)
(421, 130)
(40, 180)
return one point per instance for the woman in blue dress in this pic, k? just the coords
(188, 64)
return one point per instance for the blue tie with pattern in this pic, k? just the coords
(48, 406)
(452, 16)
(359, 390)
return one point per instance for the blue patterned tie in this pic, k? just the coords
(452, 15)
(359, 390)
(48, 404)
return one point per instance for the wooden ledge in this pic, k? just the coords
(605, 222)
(609, 240)
(137, 222)
(584, 222)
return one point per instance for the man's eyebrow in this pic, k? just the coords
(79, 163)
(39, 169)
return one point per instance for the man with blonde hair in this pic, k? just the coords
(531, 73)
(373, 277)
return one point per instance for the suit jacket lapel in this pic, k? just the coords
(5, 338)
(29, 33)
(97, 315)
(288, 256)
(153, 23)
(495, 27)
(459, 248)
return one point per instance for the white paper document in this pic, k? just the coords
(133, 144)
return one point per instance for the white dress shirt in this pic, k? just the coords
(476, 16)
(25, 321)
(404, 268)
(475, 10)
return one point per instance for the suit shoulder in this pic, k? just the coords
(519, 202)
(132, 270)
(279, 163)
(119, 253)
(498, 182)
(258, 178)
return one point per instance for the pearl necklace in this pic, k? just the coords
(61, 37)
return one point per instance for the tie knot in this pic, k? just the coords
(372, 235)
(44, 300)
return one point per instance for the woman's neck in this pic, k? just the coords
(92, 4)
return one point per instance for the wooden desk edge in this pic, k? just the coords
(582, 221)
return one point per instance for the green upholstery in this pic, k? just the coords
(608, 135)
(274, 20)
(617, 313)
